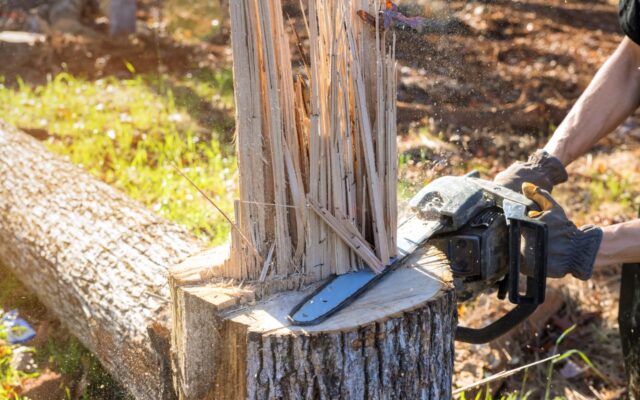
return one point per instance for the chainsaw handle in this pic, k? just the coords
(536, 284)
(497, 328)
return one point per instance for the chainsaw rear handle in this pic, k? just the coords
(497, 328)
(534, 295)
(536, 283)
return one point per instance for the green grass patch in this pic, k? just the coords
(69, 357)
(129, 132)
(9, 378)
(615, 187)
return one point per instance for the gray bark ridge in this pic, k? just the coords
(407, 357)
(96, 258)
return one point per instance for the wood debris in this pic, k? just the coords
(326, 138)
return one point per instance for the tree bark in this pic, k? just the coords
(394, 342)
(96, 258)
(629, 321)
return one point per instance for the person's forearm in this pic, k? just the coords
(612, 95)
(620, 244)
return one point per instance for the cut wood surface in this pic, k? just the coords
(396, 341)
(421, 280)
(94, 257)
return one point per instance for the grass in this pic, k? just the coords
(612, 186)
(9, 377)
(523, 394)
(129, 132)
(70, 358)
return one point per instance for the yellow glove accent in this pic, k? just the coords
(542, 199)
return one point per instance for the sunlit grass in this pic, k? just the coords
(523, 394)
(70, 358)
(613, 186)
(129, 132)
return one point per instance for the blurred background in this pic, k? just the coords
(124, 91)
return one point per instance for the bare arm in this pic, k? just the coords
(612, 95)
(620, 244)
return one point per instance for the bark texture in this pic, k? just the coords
(407, 357)
(393, 342)
(96, 258)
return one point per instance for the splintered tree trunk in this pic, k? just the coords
(318, 169)
(95, 258)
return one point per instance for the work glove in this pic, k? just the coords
(542, 169)
(570, 249)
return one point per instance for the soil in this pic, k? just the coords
(96, 56)
(487, 92)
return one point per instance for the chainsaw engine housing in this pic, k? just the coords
(477, 252)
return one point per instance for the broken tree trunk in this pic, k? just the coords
(95, 258)
(318, 169)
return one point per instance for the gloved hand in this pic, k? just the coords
(570, 249)
(542, 169)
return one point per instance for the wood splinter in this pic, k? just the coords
(326, 144)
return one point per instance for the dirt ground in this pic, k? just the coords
(483, 94)
(490, 92)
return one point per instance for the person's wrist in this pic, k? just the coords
(559, 155)
(587, 242)
(558, 146)
(549, 166)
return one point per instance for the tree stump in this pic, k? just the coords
(395, 341)
(317, 158)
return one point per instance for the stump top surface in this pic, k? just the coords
(422, 278)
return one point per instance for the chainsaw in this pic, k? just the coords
(479, 226)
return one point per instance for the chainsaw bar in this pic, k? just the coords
(343, 289)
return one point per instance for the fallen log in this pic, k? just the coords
(96, 258)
